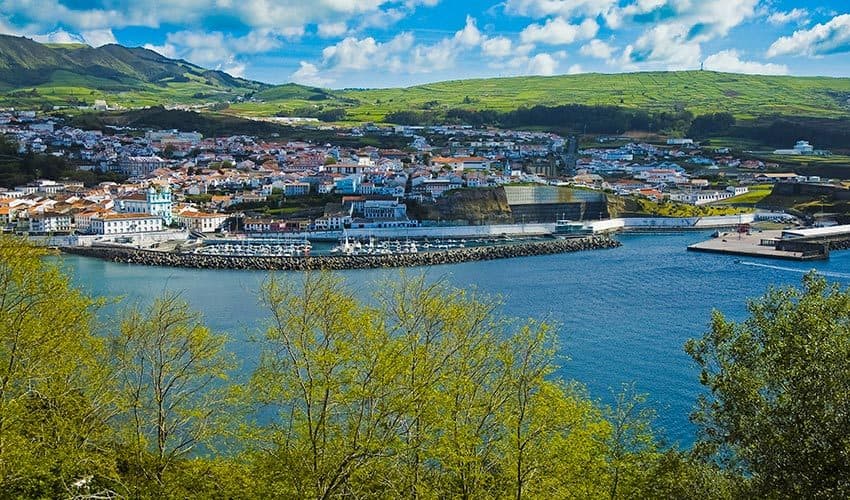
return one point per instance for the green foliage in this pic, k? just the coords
(778, 383)
(52, 383)
(712, 124)
(428, 393)
(167, 365)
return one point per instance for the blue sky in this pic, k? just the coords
(378, 43)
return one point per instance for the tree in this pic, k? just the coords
(779, 391)
(170, 369)
(52, 406)
(326, 371)
(427, 393)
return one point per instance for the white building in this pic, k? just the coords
(41, 186)
(680, 141)
(110, 224)
(200, 221)
(801, 148)
(155, 201)
(49, 222)
(140, 166)
(296, 189)
(384, 209)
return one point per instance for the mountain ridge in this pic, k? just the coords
(34, 74)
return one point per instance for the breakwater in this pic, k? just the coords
(332, 262)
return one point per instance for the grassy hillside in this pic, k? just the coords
(746, 96)
(34, 74)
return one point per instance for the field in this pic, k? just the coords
(70, 89)
(746, 96)
(756, 194)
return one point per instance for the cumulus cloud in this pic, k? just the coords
(97, 38)
(217, 50)
(542, 64)
(665, 46)
(563, 8)
(256, 14)
(575, 69)
(798, 16)
(59, 36)
(401, 54)
(557, 31)
(469, 36)
(730, 61)
(832, 37)
(703, 20)
(597, 49)
(497, 47)
(332, 30)
(309, 74)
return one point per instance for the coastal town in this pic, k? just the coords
(173, 180)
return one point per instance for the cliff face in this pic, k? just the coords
(467, 206)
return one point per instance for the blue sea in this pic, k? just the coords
(624, 314)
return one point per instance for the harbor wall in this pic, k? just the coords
(453, 256)
(432, 232)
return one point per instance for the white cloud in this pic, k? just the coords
(557, 31)
(542, 64)
(798, 16)
(666, 46)
(167, 50)
(597, 49)
(701, 20)
(282, 16)
(730, 61)
(497, 47)
(216, 50)
(332, 30)
(401, 54)
(59, 36)
(575, 69)
(564, 8)
(97, 38)
(469, 36)
(832, 37)
(309, 74)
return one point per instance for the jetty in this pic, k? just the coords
(788, 244)
(131, 255)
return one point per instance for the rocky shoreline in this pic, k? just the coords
(331, 262)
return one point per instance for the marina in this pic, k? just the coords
(248, 247)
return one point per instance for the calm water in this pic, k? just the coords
(624, 313)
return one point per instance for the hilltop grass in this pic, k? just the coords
(643, 206)
(756, 194)
(746, 96)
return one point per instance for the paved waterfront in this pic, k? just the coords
(747, 245)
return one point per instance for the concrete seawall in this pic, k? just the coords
(453, 256)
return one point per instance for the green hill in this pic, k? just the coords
(34, 74)
(746, 96)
